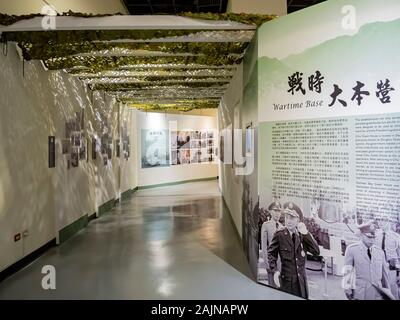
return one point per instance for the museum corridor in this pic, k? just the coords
(199, 150)
(175, 242)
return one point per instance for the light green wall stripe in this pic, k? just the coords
(174, 183)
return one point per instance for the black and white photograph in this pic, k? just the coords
(194, 144)
(221, 149)
(183, 156)
(75, 157)
(66, 146)
(83, 149)
(94, 148)
(194, 134)
(174, 157)
(79, 120)
(76, 139)
(117, 148)
(204, 155)
(51, 151)
(183, 139)
(70, 126)
(329, 242)
(195, 155)
(109, 152)
(199, 143)
(174, 139)
(68, 159)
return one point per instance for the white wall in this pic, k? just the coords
(129, 168)
(34, 197)
(25, 180)
(241, 191)
(19, 7)
(230, 184)
(174, 173)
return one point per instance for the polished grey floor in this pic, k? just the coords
(173, 242)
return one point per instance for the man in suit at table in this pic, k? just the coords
(291, 244)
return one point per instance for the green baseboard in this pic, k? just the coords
(106, 207)
(175, 183)
(128, 193)
(68, 231)
(92, 216)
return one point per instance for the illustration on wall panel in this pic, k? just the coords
(155, 148)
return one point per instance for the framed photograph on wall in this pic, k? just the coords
(94, 148)
(68, 161)
(183, 139)
(66, 146)
(75, 157)
(109, 152)
(76, 139)
(70, 126)
(221, 147)
(80, 120)
(82, 150)
(117, 147)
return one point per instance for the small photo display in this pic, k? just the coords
(75, 157)
(82, 150)
(66, 146)
(76, 139)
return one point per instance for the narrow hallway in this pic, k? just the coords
(175, 242)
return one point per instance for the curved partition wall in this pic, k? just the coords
(326, 85)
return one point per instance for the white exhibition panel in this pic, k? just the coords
(34, 197)
(174, 173)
